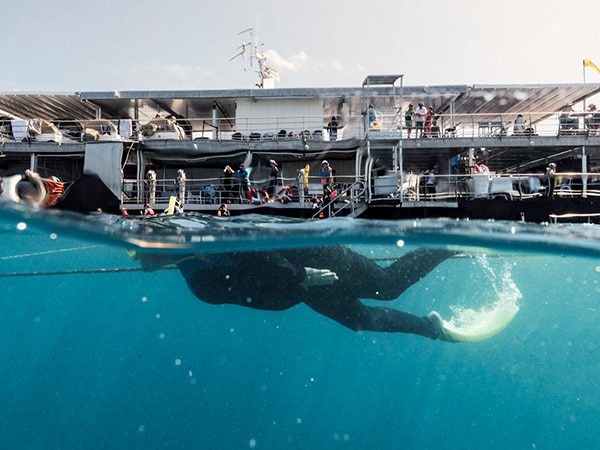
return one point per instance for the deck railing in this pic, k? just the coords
(351, 192)
(217, 190)
(389, 123)
(488, 185)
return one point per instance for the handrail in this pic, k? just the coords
(353, 199)
(310, 127)
(447, 187)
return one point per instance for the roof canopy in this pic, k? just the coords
(379, 80)
(478, 101)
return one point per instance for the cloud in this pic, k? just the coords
(301, 61)
(295, 63)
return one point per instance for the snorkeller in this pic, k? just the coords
(329, 280)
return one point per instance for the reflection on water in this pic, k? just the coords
(100, 354)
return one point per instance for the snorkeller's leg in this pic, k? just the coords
(413, 267)
(362, 277)
(358, 317)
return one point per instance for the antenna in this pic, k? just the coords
(251, 51)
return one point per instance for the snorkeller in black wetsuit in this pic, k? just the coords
(330, 280)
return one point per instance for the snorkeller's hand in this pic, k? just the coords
(318, 277)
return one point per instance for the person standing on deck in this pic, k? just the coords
(228, 174)
(419, 120)
(273, 177)
(519, 126)
(408, 119)
(243, 176)
(550, 176)
(332, 128)
(326, 173)
(429, 121)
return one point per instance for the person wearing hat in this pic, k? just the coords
(326, 173)
(420, 113)
(273, 177)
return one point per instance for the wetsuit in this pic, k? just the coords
(272, 280)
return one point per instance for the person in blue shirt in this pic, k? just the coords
(243, 176)
(326, 173)
(329, 280)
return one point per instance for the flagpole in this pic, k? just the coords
(583, 66)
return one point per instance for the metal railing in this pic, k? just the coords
(415, 188)
(349, 197)
(390, 123)
(217, 190)
(354, 193)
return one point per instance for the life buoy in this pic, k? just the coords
(258, 196)
(284, 195)
(54, 189)
(480, 168)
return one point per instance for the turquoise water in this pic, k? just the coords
(98, 354)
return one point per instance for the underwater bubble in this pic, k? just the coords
(21, 226)
(178, 362)
(400, 243)
(252, 443)
(144, 299)
(53, 236)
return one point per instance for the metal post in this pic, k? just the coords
(214, 121)
(584, 176)
(471, 159)
(583, 65)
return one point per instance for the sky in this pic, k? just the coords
(73, 46)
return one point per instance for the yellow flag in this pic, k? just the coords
(588, 63)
